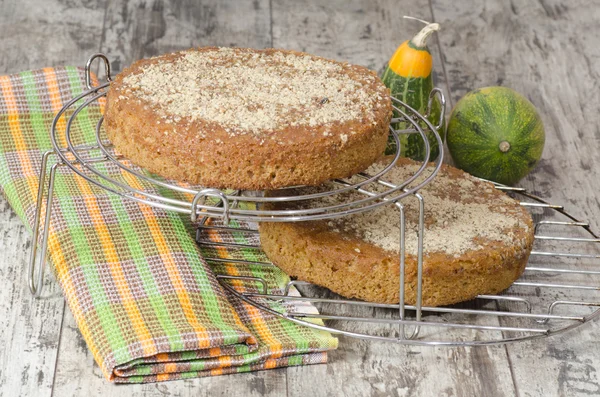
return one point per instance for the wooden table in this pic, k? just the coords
(546, 49)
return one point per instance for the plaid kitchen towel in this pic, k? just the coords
(145, 300)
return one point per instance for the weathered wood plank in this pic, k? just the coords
(366, 368)
(367, 33)
(139, 29)
(29, 327)
(35, 34)
(544, 50)
(39, 33)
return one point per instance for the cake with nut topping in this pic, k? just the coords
(248, 119)
(477, 240)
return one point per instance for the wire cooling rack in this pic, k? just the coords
(558, 291)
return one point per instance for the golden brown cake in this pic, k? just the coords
(477, 241)
(248, 119)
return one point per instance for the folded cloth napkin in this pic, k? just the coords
(146, 302)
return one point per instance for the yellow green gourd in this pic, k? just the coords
(409, 78)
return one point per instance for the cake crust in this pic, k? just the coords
(209, 131)
(344, 257)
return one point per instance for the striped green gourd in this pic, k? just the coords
(495, 133)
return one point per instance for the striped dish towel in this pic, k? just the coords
(145, 300)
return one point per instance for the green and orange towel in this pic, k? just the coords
(146, 302)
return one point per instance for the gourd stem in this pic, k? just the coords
(504, 146)
(420, 39)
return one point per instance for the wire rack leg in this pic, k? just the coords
(35, 286)
(419, 300)
(36, 220)
(401, 309)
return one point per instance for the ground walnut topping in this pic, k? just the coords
(253, 91)
(461, 214)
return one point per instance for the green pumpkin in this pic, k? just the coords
(496, 134)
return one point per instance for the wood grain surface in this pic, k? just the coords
(546, 49)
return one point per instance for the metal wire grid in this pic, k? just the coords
(533, 307)
(77, 157)
(89, 160)
(515, 315)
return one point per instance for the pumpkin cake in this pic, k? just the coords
(477, 240)
(248, 119)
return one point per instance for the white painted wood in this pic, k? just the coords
(364, 368)
(34, 34)
(40, 33)
(29, 328)
(546, 51)
(140, 29)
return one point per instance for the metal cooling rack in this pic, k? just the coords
(87, 159)
(558, 291)
(95, 161)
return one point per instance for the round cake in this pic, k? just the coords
(248, 119)
(477, 241)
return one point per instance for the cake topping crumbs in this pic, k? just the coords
(461, 214)
(254, 91)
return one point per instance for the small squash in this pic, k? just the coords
(495, 133)
(409, 78)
